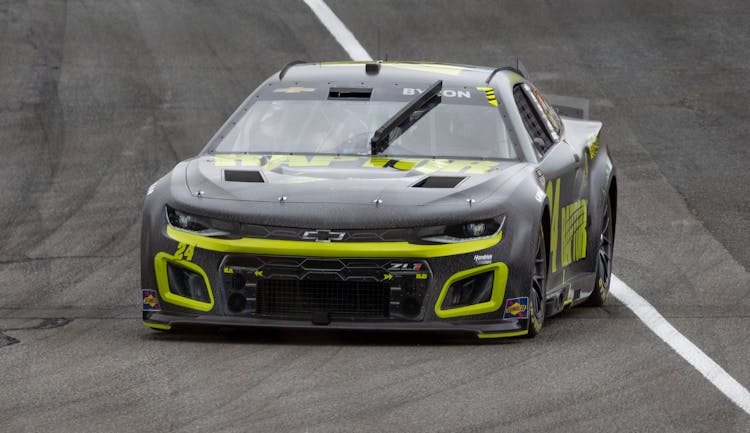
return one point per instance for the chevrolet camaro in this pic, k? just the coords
(385, 195)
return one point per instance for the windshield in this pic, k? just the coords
(346, 126)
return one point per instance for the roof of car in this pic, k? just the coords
(383, 72)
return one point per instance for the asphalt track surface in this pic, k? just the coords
(98, 99)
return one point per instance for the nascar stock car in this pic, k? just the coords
(384, 195)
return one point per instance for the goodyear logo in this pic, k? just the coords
(517, 308)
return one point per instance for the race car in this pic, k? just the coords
(385, 195)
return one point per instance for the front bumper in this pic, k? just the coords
(401, 284)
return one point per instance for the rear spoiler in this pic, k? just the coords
(570, 106)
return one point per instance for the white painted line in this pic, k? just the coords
(684, 347)
(339, 31)
(642, 309)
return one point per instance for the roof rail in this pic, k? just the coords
(287, 66)
(504, 68)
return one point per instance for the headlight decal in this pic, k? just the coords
(471, 231)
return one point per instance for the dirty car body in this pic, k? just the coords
(384, 195)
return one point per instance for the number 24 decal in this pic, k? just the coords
(184, 250)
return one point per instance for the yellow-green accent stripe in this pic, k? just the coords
(504, 334)
(162, 283)
(157, 326)
(330, 249)
(499, 281)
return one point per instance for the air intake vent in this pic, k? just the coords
(439, 182)
(349, 93)
(250, 176)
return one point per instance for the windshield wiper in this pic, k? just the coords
(405, 118)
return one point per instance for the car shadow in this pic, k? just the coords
(323, 337)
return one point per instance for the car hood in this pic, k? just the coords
(345, 180)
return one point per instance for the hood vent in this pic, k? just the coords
(439, 182)
(249, 176)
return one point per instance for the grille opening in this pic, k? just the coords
(187, 283)
(439, 182)
(280, 297)
(250, 176)
(469, 291)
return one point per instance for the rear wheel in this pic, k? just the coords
(538, 290)
(603, 260)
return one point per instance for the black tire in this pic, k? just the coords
(603, 260)
(538, 291)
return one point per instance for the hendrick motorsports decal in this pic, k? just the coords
(150, 301)
(517, 308)
(483, 259)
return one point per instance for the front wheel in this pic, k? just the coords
(538, 290)
(603, 260)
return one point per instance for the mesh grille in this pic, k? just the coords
(278, 297)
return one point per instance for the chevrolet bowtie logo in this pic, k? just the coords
(323, 236)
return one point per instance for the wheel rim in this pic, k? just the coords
(538, 280)
(605, 248)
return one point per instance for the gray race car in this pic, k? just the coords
(384, 195)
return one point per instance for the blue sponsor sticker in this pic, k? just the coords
(516, 308)
(150, 301)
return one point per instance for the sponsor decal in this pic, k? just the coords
(483, 259)
(568, 232)
(517, 308)
(150, 301)
(258, 274)
(422, 165)
(387, 277)
(421, 276)
(540, 196)
(294, 90)
(573, 237)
